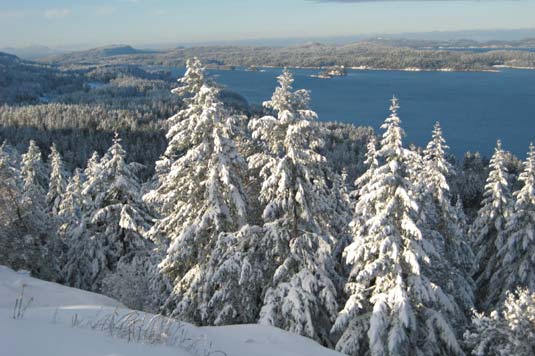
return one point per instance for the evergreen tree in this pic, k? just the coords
(344, 187)
(301, 217)
(392, 294)
(113, 223)
(33, 176)
(361, 185)
(136, 282)
(515, 265)
(90, 173)
(11, 188)
(15, 251)
(69, 217)
(487, 229)
(201, 195)
(192, 81)
(93, 166)
(437, 169)
(442, 224)
(289, 107)
(371, 164)
(70, 207)
(239, 272)
(461, 216)
(508, 330)
(189, 87)
(415, 169)
(39, 231)
(161, 198)
(57, 184)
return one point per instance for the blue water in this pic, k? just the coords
(474, 109)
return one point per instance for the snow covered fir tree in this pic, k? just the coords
(270, 216)
(488, 228)
(200, 194)
(113, 223)
(300, 216)
(397, 303)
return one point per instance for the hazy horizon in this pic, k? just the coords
(467, 34)
(60, 23)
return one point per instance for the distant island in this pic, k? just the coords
(337, 71)
(380, 53)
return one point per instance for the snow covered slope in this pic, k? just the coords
(47, 328)
(45, 294)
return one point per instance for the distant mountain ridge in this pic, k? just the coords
(98, 53)
(458, 43)
(117, 50)
(31, 52)
(7, 59)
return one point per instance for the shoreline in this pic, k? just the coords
(494, 69)
(408, 69)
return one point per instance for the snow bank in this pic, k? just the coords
(28, 337)
(46, 328)
(45, 294)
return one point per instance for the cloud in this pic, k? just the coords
(129, 1)
(56, 13)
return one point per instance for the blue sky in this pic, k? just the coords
(99, 22)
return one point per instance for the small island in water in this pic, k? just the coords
(336, 71)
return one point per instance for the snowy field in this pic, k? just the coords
(62, 321)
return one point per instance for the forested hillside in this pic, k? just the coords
(191, 203)
(23, 81)
(364, 54)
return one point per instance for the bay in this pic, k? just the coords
(474, 108)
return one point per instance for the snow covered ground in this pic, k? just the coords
(47, 328)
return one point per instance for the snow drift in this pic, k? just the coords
(57, 322)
